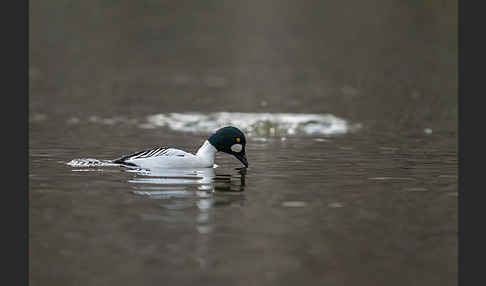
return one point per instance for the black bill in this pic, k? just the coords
(242, 159)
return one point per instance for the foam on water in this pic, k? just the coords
(261, 124)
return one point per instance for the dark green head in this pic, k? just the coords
(230, 140)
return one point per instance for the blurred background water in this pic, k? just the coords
(350, 110)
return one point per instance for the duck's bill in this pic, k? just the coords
(242, 159)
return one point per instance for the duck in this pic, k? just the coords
(229, 140)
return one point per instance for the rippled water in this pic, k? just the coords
(314, 208)
(350, 109)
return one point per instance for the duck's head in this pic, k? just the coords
(230, 140)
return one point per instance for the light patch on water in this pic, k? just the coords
(167, 194)
(205, 188)
(254, 124)
(259, 124)
(204, 229)
(391, 179)
(448, 176)
(259, 139)
(112, 120)
(204, 204)
(294, 204)
(428, 131)
(335, 205)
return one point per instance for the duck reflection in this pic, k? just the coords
(199, 192)
(181, 182)
(230, 183)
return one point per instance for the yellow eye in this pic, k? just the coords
(238, 139)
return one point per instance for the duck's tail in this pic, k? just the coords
(88, 162)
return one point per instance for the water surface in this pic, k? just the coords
(350, 110)
(366, 206)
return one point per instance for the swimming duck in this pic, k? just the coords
(228, 139)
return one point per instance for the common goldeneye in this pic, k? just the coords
(228, 139)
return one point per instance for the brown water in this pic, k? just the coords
(375, 206)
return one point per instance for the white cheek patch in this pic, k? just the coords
(236, 148)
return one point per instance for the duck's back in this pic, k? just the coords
(162, 157)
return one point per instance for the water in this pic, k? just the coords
(319, 209)
(350, 111)
(257, 124)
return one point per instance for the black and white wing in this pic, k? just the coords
(150, 153)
